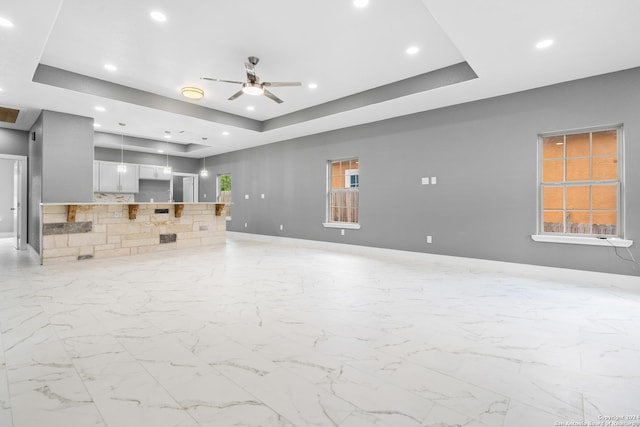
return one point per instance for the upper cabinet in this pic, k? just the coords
(154, 172)
(112, 181)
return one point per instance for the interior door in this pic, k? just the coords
(19, 203)
(15, 205)
(187, 189)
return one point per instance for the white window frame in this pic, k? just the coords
(348, 173)
(583, 239)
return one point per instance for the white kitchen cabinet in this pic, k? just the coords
(112, 181)
(154, 172)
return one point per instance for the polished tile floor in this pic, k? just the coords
(280, 333)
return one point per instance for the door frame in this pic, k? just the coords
(196, 194)
(20, 232)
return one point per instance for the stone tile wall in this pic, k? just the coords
(102, 231)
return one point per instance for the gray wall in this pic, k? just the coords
(67, 168)
(6, 195)
(484, 156)
(35, 185)
(153, 189)
(14, 142)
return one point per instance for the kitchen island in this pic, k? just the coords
(79, 231)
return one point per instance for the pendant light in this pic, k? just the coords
(122, 168)
(167, 168)
(204, 172)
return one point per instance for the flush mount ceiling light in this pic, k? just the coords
(99, 108)
(192, 92)
(543, 44)
(312, 85)
(225, 133)
(4, 22)
(158, 16)
(110, 67)
(251, 108)
(167, 134)
(97, 125)
(360, 3)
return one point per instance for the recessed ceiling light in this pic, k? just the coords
(158, 16)
(543, 44)
(167, 136)
(110, 67)
(97, 125)
(412, 50)
(360, 3)
(251, 108)
(312, 85)
(225, 133)
(160, 151)
(4, 22)
(99, 108)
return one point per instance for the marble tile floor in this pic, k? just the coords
(260, 333)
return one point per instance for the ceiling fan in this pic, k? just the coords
(253, 85)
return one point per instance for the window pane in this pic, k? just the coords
(553, 197)
(605, 223)
(578, 222)
(605, 168)
(605, 197)
(553, 171)
(553, 221)
(605, 142)
(578, 145)
(578, 170)
(553, 147)
(578, 197)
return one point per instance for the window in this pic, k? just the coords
(224, 193)
(343, 193)
(580, 183)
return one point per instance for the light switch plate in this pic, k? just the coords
(425, 180)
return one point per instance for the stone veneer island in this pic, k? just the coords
(72, 232)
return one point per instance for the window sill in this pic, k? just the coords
(578, 240)
(347, 225)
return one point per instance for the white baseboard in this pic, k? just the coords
(579, 277)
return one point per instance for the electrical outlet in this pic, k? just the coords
(425, 180)
(281, 227)
(205, 195)
(433, 180)
(429, 239)
(342, 232)
(246, 225)
(246, 196)
(262, 196)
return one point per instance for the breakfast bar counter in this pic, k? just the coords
(79, 231)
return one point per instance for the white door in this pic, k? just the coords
(187, 189)
(19, 202)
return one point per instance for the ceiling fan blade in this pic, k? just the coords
(220, 80)
(272, 97)
(251, 72)
(281, 84)
(235, 95)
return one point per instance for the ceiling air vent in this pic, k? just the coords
(8, 115)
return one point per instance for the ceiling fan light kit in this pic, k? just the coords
(253, 86)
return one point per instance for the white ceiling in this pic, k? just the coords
(345, 50)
